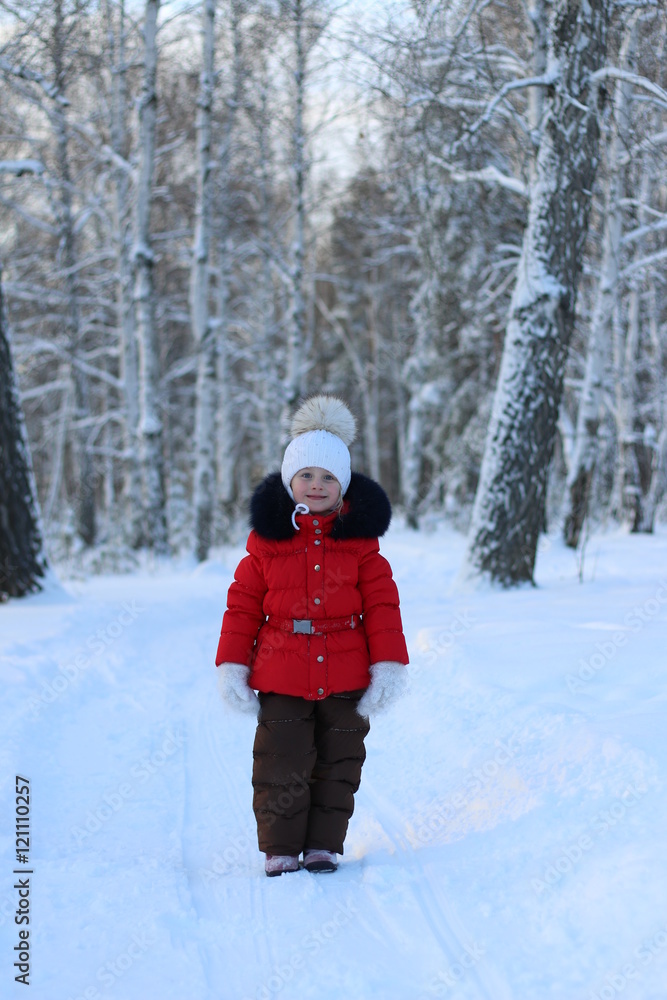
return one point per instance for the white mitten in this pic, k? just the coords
(234, 688)
(389, 681)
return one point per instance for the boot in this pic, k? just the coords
(319, 861)
(277, 864)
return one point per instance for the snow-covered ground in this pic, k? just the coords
(509, 838)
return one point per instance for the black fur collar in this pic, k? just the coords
(369, 514)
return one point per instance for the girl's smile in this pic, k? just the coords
(317, 488)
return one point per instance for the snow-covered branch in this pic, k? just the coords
(545, 80)
(615, 73)
(50, 347)
(21, 167)
(488, 175)
(51, 90)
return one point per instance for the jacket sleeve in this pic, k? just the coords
(382, 617)
(244, 615)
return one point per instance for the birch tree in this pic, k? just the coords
(509, 510)
(296, 11)
(117, 31)
(463, 172)
(202, 327)
(306, 20)
(225, 431)
(42, 55)
(267, 386)
(22, 558)
(150, 426)
(591, 400)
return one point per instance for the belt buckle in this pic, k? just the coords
(303, 625)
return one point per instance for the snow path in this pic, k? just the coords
(508, 838)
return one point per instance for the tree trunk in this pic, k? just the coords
(658, 487)
(589, 415)
(129, 363)
(539, 17)
(269, 391)
(628, 491)
(224, 403)
(371, 386)
(85, 496)
(22, 559)
(509, 510)
(150, 423)
(202, 327)
(297, 322)
(423, 383)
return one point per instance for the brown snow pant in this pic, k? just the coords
(307, 766)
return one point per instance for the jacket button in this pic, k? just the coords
(318, 541)
(320, 690)
(315, 523)
(318, 531)
(317, 568)
(316, 600)
(320, 659)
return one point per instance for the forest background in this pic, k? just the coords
(210, 210)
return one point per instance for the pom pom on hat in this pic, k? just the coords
(325, 413)
(323, 427)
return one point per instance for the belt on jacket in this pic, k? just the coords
(314, 626)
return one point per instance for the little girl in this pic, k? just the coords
(312, 624)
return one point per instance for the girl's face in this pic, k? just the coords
(317, 488)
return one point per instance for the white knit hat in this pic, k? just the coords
(323, 427)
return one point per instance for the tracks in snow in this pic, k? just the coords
(438, 912)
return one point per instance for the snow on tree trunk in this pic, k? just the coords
(297, 322)
(589, 415)
(627, 480)
(371, 388)
(22, 559)
(509, 510)
(412, 458)
(84, 500)
(269, 389)
(223, 400)
(634, 474)
(658, 486)
(539, 16)
(150, 423)
(424, 391)
(225, 422)
(129, 362)
(202, 328)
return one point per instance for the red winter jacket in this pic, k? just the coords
(331, 568)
